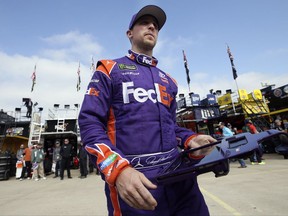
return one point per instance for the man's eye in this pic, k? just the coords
(156, 25)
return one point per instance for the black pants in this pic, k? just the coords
(28, 113)
(256, 157)
(83, 167)
(91, 168)
(26, 168)
(57, 168)
(65, 164)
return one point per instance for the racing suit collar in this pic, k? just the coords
(142, 59)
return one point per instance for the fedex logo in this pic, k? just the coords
(159, 93)
(92, 91)
(147, 60)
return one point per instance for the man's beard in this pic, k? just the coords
(147, 45)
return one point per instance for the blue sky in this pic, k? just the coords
(55, 35)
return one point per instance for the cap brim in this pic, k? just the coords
(154, 11)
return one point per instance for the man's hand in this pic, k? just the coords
(201, 140)
(132, 188)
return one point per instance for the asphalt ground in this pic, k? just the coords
(255, 190)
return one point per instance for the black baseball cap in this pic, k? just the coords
(152, 10)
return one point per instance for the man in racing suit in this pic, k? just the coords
(128, 126)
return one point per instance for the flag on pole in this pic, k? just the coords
(33, 77)
(79, 79)
(232, 63)
(92, 68)
(186, 67)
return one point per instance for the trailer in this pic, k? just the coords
(61, 124)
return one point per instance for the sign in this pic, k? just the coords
(67, 125)
(181, 103)
(195, 99)
(211, 98)
(281, 92)
(243, 94)
(225, 99)
(206, 113)
(256, 95)
(15, 131)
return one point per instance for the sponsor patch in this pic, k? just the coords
(157, 94)
(92, 91)
(94, 81)
(127, 67)
(163, 77)
(130, 73)
(108, 161)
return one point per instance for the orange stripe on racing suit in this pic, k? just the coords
(105, 66)
(111, 128)
(109, 162)
(115, 200)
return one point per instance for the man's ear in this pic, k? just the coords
(129, 34)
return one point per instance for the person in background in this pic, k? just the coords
(256, 157)
(128, 117)
(37, 159)
(278, 125)
(20, 161)
(28, 104)
(285, 125)
(66, 153)
(82, 161)
(245, 129)
(19, 154)
(226, 132)
(57, 158)
(92, 166)
(234, 130)
(28, 165)
(283, 139)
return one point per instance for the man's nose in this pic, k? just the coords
(152, 25)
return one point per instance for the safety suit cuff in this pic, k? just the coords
(194, 157)
(198, 157)
(111, 180)
(188, 140)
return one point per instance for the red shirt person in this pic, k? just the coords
(256, 157)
